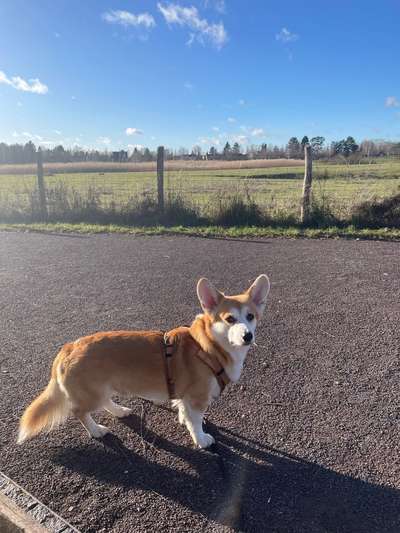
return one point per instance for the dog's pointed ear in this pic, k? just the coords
(208, 295)
(258, 292)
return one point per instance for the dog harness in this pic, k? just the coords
(169, 350)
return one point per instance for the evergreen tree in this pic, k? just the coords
(147, 155)
(317, 144)
(263, 151)
(350, 146)
(345, 146)
(236, 150)
(304, 141)
(293, 148)
(213, 153)
(227, 151)
(29, 150)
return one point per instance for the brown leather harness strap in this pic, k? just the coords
(169, 349)
(220, 375)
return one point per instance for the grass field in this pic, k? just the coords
(275, 188)
(95, 166)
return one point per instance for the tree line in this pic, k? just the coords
(294, 149)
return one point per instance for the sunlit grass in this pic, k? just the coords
(277, 189)
(213, 231)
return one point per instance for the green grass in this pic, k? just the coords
(349, 232)
(268, 198)
(276, 189)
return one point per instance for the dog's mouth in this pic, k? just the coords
(242, 343)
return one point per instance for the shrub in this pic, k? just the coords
(378, 213)
(179, 211)
(238, 209)
(321, 213)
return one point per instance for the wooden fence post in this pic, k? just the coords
(306, 199)
(40, 184)
(160, 177)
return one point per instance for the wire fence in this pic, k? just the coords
(273, 185)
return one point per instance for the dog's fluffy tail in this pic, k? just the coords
(46, 412)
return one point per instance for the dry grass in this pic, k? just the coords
(90, 166)
(270, 190)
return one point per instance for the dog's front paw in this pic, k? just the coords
(205, 440)
(99, 431)
(181, 417)
(124, 411)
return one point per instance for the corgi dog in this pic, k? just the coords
(189, 365)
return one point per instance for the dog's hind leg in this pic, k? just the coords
(117, 410)
(95, 430)
(178, 404)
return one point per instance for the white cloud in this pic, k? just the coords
(73, 97)
(189, 86)
(19, 104)
(240, 139)
(210, 141)
(231, 120)
(34, 85)
(201, 29)
(126, 19)
(215, 128)
(27, 135)
(253, 132)
(257, 132)
(57, 132)
(392, 101)
(49, 143)
(133, 131)
(286, 36)
(57, 35)
(218, 5)
(104, 140)
(32, 136)
(242, 102)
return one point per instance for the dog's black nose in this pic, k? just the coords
(248, 337)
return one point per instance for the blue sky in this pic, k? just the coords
(113, 74)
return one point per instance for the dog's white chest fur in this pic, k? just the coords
(234, 369)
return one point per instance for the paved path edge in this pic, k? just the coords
(20, 512)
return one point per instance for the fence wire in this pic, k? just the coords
(275, 186)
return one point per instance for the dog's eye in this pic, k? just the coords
(250, 317)
(230, 319)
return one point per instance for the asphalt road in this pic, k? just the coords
(308, 441)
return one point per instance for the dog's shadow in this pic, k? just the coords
(244, 484)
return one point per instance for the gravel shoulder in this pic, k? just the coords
(307, 441)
